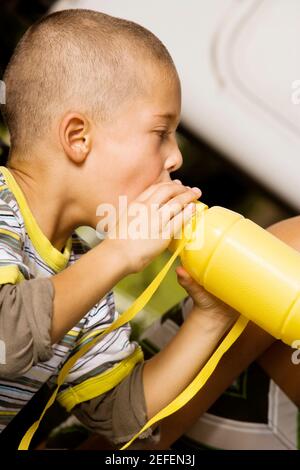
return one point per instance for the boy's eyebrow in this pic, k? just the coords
(168, 116)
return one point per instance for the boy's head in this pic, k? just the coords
(96, 97)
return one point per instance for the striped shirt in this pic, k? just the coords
(25, 253)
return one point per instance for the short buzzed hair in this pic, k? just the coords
(79, 60)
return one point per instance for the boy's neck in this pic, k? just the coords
(49, 200)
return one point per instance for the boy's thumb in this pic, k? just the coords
(195, 290)
(182, 274)
(186, 281)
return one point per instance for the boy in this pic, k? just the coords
(92, 106)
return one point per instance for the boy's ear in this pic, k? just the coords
(75, 136)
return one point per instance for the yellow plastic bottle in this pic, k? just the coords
(246, 267)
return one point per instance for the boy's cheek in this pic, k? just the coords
(143, 177)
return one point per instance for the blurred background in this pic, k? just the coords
(239, 132)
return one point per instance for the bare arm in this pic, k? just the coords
(168, 372)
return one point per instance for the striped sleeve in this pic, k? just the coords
(12, 267)
(120, 413)
(107, 363)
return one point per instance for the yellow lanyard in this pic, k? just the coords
(130, 313)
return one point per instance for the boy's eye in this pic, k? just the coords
(162, 134)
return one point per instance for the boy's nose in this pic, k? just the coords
(174, 161)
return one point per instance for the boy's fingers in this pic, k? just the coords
(169, 210)
(195, 290)
(168, 191)
(187, 280)
(147, 193)
(177, 203)
(192, 288)
(174, 226)
(154, 187)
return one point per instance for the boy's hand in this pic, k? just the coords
(161, 210)
(205, 303)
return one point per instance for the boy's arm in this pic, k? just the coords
(36, 313)
(80, 286)
(169, 372)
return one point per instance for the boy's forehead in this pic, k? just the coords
(161, 110)
(166, 104)
(163, 99)
(157, 99)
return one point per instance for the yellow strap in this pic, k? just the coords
(190, 391)
(137, 305)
